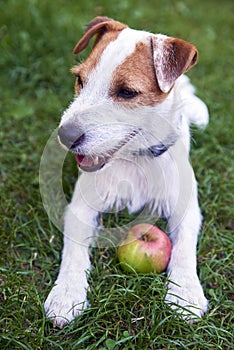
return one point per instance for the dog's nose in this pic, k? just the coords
(69, 136)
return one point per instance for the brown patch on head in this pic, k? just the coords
(106, 30)
(83, 70)
(134, 81)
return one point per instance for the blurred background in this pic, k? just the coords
(37, 38)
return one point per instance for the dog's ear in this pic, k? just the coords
(172, 57)
(98, 26)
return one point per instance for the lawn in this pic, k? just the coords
(126, 312)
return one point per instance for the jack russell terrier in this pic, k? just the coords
(128, 127)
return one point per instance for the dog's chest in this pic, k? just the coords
(132, 183)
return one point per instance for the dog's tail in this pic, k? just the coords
(193, 108)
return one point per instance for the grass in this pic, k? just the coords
(126, 312)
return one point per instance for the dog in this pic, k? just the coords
(129, 128)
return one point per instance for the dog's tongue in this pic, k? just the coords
(88, 163)
(79, 158)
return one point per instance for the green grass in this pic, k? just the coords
(126, 312)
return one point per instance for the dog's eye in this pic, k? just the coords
(79, 81)
(127, 93)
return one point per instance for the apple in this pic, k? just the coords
(146, 249)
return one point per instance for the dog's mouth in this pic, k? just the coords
(91, 163)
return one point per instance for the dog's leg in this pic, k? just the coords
(68, 297)
(185, 292)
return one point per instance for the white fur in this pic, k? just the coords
(165, 185)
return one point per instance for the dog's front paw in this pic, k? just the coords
(66, 301)
(185, 295)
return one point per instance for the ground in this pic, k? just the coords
(126, 311)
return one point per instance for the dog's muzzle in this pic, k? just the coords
(72, 139)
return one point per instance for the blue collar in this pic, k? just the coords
(157, 150)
